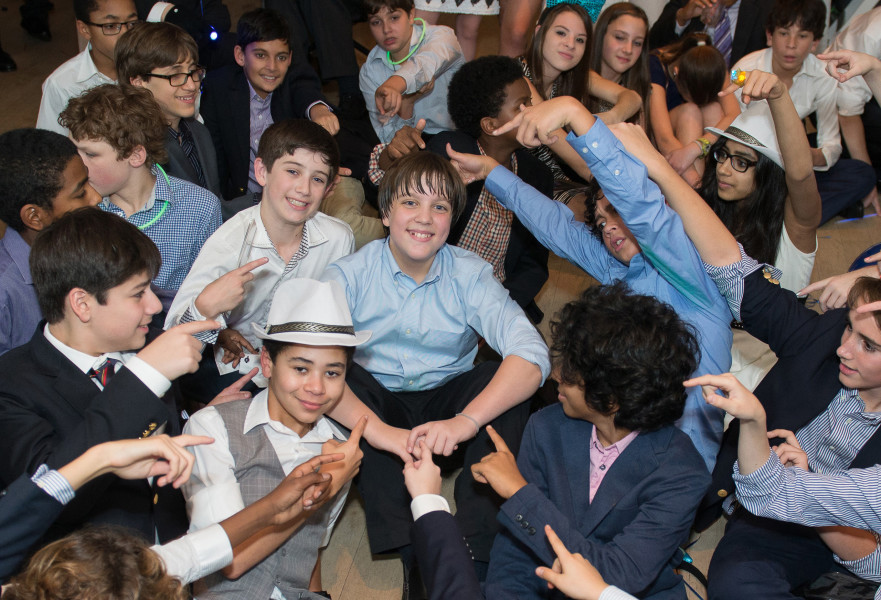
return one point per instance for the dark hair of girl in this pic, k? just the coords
(756, 220)
(573, 82)
(701, 68)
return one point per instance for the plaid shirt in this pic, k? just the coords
(191, 214)
(489, 228)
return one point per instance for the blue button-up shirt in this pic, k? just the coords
(191, 215)
(669, 267)
(424, 334)
(19, 311)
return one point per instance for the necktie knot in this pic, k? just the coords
(103, 372)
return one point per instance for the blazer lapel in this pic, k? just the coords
(69, 383)
(632, 466)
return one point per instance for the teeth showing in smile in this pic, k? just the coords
(297, 203)
(419, 235)
(618, 243)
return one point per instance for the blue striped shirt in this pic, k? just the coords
(53, 483)
(191, 214)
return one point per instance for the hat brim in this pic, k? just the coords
(764, 150)
(314, 339)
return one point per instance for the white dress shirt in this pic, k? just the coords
(863, 34)
(69, 80)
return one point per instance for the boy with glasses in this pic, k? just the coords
(161, 57)
(102, 23)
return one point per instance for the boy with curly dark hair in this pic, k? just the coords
(606, 467)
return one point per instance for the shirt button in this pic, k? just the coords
(595, 145)
(518, 518)
(155, 498)
(405, 356)
(584, 150)
(411, 382)
(531, 531)
(617, 172)
(408, 332)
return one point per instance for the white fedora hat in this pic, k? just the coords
(754, 127)
(314, 313)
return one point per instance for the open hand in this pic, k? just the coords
(155, 456)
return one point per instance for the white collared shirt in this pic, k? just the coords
(213, 493)
(149, 376)
(329, 239)
(69, 80)
(812, 90)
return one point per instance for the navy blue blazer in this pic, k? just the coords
(443, 558)
(51, 412)
(26, 512)
(641, 514)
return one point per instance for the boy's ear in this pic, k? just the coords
(138, 157)
(79, 301)
(34, 217)
(260, 171)
(769, 35)
(239, 54)
(265, 363)
(814, 45)
(331, 186)
(137, 81)
(83, 29)
(489, 124)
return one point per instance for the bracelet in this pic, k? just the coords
(472, 419)
(704, 145)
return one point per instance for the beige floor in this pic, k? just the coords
(349, 570)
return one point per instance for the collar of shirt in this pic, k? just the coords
(852, 400)
(258, 415)
(87, 68)
(84, 362)
(414, 40)
(615, 450)
(19, 252)
(314, 234)
(808, 67)
(391, 266)
(253, 96)
(161, 191)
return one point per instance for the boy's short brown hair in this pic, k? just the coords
(864, 291)
(374, 6)
(288, 136)
(152, 46)
(123, 116)
(422, 172)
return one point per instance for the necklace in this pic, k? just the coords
(164, 203)
(388, 53)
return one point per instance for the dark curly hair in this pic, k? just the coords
(32, 164)
(629, 353)
(100, 563)
(477, 90)
(592, 193)
(757, 220)
(809, 15)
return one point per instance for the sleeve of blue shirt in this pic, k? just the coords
(551, 222)
(639, 201)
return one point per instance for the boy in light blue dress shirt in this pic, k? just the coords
(428, 304)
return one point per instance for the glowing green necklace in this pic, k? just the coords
(164, 205)
(415, 48)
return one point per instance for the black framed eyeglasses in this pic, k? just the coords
(179, 79)
(738, 163)
(114, 28)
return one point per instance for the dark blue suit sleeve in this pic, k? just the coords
(443, 558)
(26, 512)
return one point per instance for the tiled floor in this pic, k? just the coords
(349, 570)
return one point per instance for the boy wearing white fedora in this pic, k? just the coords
(308, 342)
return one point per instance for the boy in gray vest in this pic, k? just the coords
(308, 342)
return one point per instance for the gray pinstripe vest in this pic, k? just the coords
(258, 471)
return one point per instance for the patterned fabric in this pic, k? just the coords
(259, 119)
(729, 279)
(373, 171)
(53, 483)
(594, 7)
(722, 36)
(489, 229)
(179, 217)
(104, 371)
(184, 137)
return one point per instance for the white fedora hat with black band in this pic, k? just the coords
(754, 127)
(310, 312)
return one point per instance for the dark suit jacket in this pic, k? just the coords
(443, 558)
(179, 165)
(802, 383)
(641, 513)
(51, 412)
(526, 263)
(226, 111)
(749, 35)
(26, 512)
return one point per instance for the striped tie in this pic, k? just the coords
(185, 139)
(722, 37)
(104, 372)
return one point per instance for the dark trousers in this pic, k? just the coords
(381, 480)
(845, 184)
(872, 125)
(764, 558)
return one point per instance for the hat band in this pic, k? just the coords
(744, 136)
(304, 327)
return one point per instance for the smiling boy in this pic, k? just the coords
(427, 304)
(161, 58)
(308, 340)
(102, 23)
(793, 31)
(283, 237)
(406, 75)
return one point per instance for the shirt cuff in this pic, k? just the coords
(196, 554)
(867, 567)
(373, 171)
(729, 279)
(149, 376)
(426, 503)
(755, 489)
(158, 12)
(309, 108)
(613, 593)
(192, 314)
(53, 483)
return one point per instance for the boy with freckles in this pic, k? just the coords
(428, 304)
